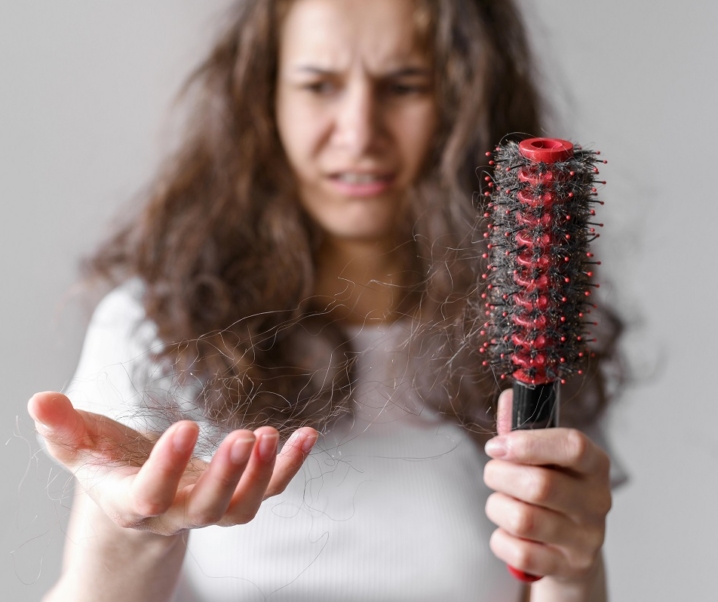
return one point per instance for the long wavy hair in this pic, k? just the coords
(227, 257)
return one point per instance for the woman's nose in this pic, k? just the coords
(358, 124)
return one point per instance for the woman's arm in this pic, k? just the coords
(108, 562)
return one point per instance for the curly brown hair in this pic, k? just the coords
(227, 256)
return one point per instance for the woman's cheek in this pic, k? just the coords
(417, 134)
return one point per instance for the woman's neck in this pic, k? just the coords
(360, 280)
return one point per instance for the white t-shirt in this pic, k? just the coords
(388, 506)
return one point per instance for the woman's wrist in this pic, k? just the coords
(590, 588)
(121, 563)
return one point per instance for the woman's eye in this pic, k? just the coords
(403, 89)
(406, 89)
(322, 87)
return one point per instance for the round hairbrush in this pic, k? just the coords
(539, 268)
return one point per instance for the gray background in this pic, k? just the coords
(85, 89)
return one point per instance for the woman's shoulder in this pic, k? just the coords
(121, 306)
(119, 346)
(120, 319)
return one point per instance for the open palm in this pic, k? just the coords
(155, 484)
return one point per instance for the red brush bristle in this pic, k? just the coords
(539, 265)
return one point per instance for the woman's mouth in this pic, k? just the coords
(360, 184)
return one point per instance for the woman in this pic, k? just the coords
(305, 262)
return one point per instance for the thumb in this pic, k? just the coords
(58, 422)
(503, 413)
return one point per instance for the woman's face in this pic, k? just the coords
(355, 111)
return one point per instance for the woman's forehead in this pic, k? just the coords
(334, 35)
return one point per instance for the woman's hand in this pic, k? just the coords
(552, 497)
(158, 486)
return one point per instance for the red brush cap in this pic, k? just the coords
(546, 150)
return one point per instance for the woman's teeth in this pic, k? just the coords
(359, 178)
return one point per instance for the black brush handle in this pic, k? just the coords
(535, 407)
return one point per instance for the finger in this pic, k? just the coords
(527, 556)
(213, 492)
(154, 487)
(537, 485)
(252, 486)
(288, 463)
(527, 521)
(503, 412)
(62, 427)
(567, 448)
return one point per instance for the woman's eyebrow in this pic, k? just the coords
(314, 70)
(400, 72)
(408, 72)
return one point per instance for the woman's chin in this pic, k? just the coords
(356, 234)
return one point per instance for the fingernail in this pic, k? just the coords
(183, 439)
(496, 447)
(506, 393)
(268, 446)
(240, 450)
(35, 418)
(309, 442)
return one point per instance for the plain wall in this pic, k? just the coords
(84, 90)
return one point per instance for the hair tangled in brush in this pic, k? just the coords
(540, 265)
